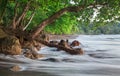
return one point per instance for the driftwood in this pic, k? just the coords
(72, 51)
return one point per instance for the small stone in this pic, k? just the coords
(15, 68)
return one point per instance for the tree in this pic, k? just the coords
(38, 14)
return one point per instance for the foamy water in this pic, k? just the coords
(101, 58)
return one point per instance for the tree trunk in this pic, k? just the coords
(15, 15)
(52, 18)
(23, 14)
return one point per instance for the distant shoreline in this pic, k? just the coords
(56, 37)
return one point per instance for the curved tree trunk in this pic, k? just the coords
(52, 18)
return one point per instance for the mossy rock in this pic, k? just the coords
(10, 45)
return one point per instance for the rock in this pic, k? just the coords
(15, 68)
(54, 42)
(10, 45)
(32, 54)
(64, 43)
(80, 51)
(51, 60)
(37, 45)
(75, 43)
(29, 44)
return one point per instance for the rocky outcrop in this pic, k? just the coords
(9, 45)
(64, 45)
(32, 53)
(29, 44)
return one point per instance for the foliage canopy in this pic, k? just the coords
(67, 23)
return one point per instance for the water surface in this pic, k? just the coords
(101, 58)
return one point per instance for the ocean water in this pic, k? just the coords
(101, 58)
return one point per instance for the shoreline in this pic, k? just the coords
(59, 37)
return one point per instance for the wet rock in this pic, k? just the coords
(64, 43)
(54, 42)
(37, 45)
(75, 43)
(29, 44)
(69, 60)
(51, 60)
(79, 51)
(32, 54)
(10, 45)
(103, 55)
(15, 68)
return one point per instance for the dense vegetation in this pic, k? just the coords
(104, 29)
(36, 11)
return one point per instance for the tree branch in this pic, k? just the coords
(52, 18)
(15, 15)
(29, 21)
(23, 13)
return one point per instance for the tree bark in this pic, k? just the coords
(52, 18)
(15, 15)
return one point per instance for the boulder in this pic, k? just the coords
(15, 68)
(29, 44)
(10, 45)
(75, 43)
(32, 53)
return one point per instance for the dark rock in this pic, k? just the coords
(75, 43)
(64, 43)
(54, 42)
(51, 60)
